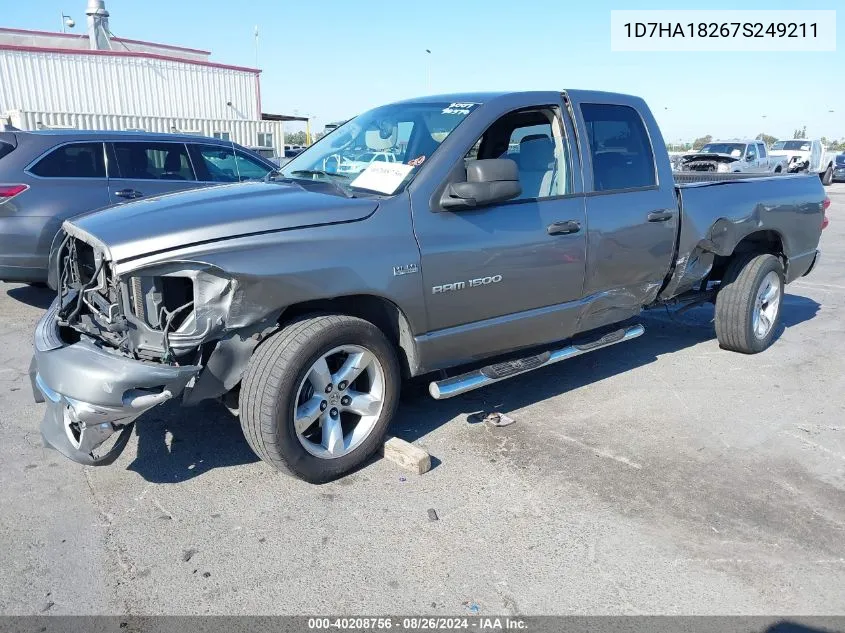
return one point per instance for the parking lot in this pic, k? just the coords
(660, 476)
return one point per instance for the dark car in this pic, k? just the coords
(839, 167)
(47, 177)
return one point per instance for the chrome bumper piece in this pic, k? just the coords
(91, 393)
(814, 262)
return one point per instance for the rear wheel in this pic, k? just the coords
(748, 304)
(827, 177)
(318, 396)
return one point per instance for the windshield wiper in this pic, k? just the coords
(318, 172)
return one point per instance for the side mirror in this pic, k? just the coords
(488, 182)
(750, 157)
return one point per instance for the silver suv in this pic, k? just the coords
(49, 176)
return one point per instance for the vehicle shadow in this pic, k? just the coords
(176, 444)
(825, 625)
(666, 332)
(35, 296)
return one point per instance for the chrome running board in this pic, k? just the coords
(455, 386)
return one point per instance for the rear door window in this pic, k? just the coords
(619, 147)
(153, 161)
(74, 160)
(222, 164)
(761, 147)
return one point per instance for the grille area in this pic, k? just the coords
(702, 166)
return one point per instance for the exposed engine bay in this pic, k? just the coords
(174, 314)
(707, 162)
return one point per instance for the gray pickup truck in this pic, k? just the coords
(512, 231)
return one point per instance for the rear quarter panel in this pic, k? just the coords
(717, 216)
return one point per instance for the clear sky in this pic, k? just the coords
(332, 59)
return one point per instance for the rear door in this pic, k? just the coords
(148, 168)
(766, 163)
(632, 211)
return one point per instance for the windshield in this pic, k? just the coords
(840, 160)
(734, 149)
(382, 149)
(795, 146)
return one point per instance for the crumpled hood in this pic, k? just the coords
(719, 158)
(133, 229)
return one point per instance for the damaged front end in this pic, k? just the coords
(718, 163)
(111, 348)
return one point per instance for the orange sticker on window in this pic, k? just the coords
(416, 162)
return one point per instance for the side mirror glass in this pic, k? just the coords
(488, 182)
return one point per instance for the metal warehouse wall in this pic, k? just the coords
(123, 83)
(242, 132)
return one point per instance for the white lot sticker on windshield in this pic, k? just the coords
(736, 153)
(459, 108)
(382, 177)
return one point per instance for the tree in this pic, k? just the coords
(768, 139)
(701, 142)
(297, 138)
(802, 133)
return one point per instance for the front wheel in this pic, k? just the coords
(749, 302)
(827, 177)
(318, 396)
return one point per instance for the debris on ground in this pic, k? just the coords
(472, 607)
(402, 479)
(492, 418)
(432, 515)
(188, 554)
(46, 606)
(407, 455)
(206, 574)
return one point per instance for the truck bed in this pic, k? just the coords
(688, 177)
(717, 210)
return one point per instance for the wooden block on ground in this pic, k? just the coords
(407, 455)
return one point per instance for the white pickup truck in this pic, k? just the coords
(733, 157)
(806, 156)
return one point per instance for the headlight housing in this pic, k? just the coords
(723, 167)
(175, 308)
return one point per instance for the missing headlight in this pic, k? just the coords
(160, 301)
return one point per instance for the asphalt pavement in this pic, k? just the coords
(661, 476)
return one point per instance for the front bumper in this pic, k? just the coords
(91, 393)
(839, 173)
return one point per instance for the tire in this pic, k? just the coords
(279, 379)
(737, 301)
(827, 177)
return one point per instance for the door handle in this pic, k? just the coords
(564, 228)
(129, 194)
(661, 216)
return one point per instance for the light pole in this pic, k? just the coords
(67, 23)
(428, 70)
